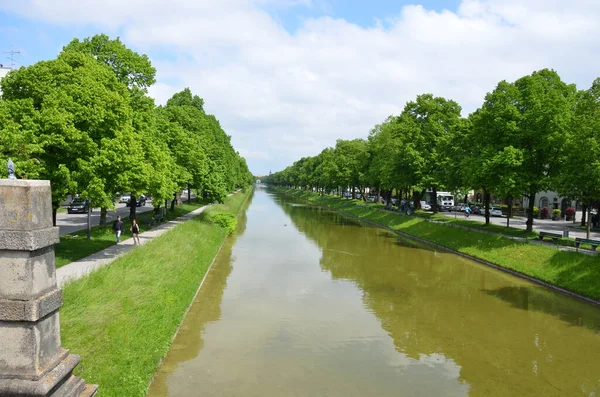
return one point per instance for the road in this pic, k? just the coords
(69, 223)
(538, 224)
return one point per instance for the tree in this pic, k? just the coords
(351, 159)
(137, 73)
(65, 107)
(131, 68)
(430, 123)
(533, 117)
(580, 161)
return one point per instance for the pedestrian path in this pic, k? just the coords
(78, 269)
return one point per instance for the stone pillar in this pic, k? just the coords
(32, 360)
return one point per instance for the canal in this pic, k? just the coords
(305, 302)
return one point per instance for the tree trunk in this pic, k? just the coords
(132, 207)
(103, 212)
(583, 214)
(173, 201)
(189, 194)
(589, 222)
(510, 200)
(486, 206)
(415, 198)
(529, 222)
(55, 207)
(434, 200)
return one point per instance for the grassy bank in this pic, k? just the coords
(75, 246)
(121, 318)
(570, 270)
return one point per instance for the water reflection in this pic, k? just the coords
(307, 302)
(432, 303)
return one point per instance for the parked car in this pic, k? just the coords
(125, 198)
(495, 211)
(425, 206)
(78, 206)
(478, 210)
(140, 201)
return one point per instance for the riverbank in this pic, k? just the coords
(571, 271)
(121, 319)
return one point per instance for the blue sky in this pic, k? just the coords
(38, 40)
(287, 78)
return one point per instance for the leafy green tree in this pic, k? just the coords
(137, 73)
(430, 124)
(533, 116)
(129, 67)
(351, 159)
(580, 161)
(65, 107)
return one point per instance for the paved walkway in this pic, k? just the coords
(78, 269)
(547, 225)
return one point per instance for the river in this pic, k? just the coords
(306, 302)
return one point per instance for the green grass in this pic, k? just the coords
(121, 319)
(571, 270)
(76, 246)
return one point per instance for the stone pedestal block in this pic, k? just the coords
(32, 360)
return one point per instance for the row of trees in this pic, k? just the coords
(535, 134)
(85, 122)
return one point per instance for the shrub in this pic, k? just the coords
(544, 212)
(536, 212)
(225, 220)
(556, 213)
(570, 211)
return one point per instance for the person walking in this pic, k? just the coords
(135, 230)
(118, 228)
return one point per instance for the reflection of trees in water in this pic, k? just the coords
(432, 303)
(205, 309)
(539, 299)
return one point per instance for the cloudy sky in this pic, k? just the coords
(286, 78)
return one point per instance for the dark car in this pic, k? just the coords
(78, 206)
(139, 201)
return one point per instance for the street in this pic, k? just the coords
(69, 223)
(538, 224)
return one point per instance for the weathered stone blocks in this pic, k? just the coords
(32, 360)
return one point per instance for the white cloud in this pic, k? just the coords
(247, 154)
(282, 95)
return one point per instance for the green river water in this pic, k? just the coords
(305, 302)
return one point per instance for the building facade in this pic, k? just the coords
(3, 72)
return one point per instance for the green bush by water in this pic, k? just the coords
(225, 220)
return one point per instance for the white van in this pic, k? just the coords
(445, 201)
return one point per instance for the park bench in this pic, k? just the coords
(593, 243)
(157, 217)
(554, 236)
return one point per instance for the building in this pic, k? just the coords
(551, 200)
(3, 72)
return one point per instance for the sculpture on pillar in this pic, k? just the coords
(11, 170)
